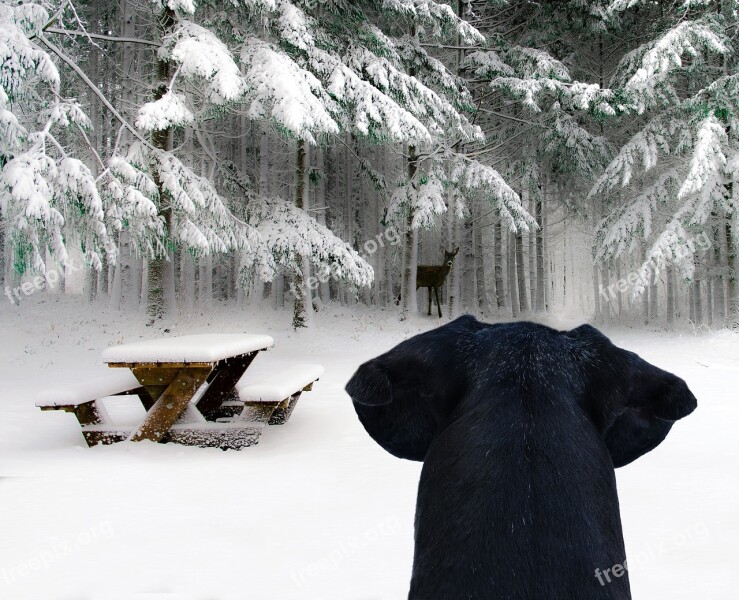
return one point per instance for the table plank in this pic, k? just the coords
(171, 404)
(201, 348)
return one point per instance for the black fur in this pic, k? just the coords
(519, 427)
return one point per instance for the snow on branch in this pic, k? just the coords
(372, 111)
(708, 161)
(293, 26)
(645, 73)
(672, 247)
(487, 64)
(440, 17)
(279, 88)
(409, 92)
(48, 200)
(572, 147)
(646, 145)
(181, 6)
(22, 63)
(473, 176)
(620, 231)
(168, 111)
(290, 233)
(200, 54)
(424, 197)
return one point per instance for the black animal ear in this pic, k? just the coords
(654, 400)
(456, 251)
(631, 402)
(406, 396)
(370, 385)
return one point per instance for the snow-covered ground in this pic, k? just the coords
(316, 511)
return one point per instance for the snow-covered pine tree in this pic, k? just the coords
(685, 110)
(48, 197)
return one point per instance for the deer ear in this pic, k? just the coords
(456, 251)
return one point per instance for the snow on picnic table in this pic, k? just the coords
(316, 511)
(188, 348)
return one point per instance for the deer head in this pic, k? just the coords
(449, 256)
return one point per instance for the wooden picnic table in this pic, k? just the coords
(192, 389)
(173, 370)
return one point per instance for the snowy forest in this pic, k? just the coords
(162, 155)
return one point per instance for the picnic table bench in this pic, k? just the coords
(188, 387)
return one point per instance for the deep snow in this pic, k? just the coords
(316, 511)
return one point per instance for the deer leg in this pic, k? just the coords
(429, 289)
(436, 291)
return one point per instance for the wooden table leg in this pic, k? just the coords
(226, 375)
(170, 405)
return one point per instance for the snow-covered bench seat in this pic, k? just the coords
(273, 399)
(83, 398)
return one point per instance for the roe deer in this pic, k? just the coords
(432, 277)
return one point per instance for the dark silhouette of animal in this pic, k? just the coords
(519, 428)
(432, 277)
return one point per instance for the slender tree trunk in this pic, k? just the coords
(719, 290)
(500, 296)
(302, 306)
(523, 298)
(116, 292)
(409, 304)
(596, 293)
(698, 302)
(482, 294)
(455, 277)
(531, 238)
(733, 297)
(512, 285)
(467, 268)
(709, 299)
(654, 301)
(670, 316)
(645, 304)
(322, 209)
(540, 275)
(157, 296)
(2, 249)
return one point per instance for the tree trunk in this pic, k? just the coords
(2, 249)
(500, 296)
(718, 282)
(540, 275)
(409, 305)
(302, 307)
(157, 297)
(654, 301)
(733, 298)
(523, 298)
(670, 316)
(512, 285)
(483, 304)
(467, 268)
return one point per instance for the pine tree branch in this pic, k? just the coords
(94, 89)
(99, 36)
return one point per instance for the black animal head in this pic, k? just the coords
(407, 396)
